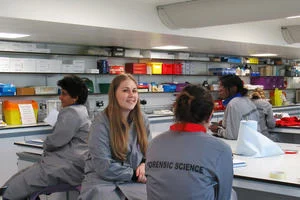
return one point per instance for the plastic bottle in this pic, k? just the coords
(250, 69)
(238, 71)
(205, 84)
(102, 65)
(243, 71)
(247, 71)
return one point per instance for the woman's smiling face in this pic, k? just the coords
(127, 95)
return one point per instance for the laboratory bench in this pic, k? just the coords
(16, 134)
(252, 181)
(158, 124)
(24, 130)
(257, 180)
(11, 134)
(287, 134)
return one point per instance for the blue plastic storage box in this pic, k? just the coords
(7, 89)
(169, 87)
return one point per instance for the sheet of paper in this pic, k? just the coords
(27, 114)
(36, 141)
(52, 117)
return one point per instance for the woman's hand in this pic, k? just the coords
(214, 128)
(140, 173)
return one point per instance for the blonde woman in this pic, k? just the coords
(118, 141)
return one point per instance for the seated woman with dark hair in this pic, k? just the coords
(238, 107)
(185, 162)
(65, 150)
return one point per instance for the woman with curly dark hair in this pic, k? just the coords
(238, 107)
(65, 150)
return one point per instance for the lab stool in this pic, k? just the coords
(55, 188)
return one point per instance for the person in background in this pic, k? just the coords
(65, 150)
(185, 162)
(237, 107)
(266, 118)
(118, 140)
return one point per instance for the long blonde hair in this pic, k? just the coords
(119, 127)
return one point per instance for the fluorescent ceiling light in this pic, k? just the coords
(170, 47)
(264, 55)
(12, 35)
(293, 17)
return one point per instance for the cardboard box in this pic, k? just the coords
(156, 67)
(48, 65)
(92, 71)
(7, 89)
(115, 69)
(118, 51)
(22, 65)
(184, 56)
(160, 55)
(25, 91)
(136, 53)
(46, 90)
(136, 68)
(73, 66)
(4, 64)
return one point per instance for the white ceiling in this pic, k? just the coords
(159, 2)
(235, 39)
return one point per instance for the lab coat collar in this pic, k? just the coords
(188, 127)
(226, 101)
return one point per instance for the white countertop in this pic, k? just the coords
(260, 168)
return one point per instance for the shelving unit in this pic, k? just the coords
(80, 52)
(70, 52)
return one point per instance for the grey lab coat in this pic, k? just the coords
(238, 109)
(105, 177)
(188, 166)
(266, 118)
(65, 151)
